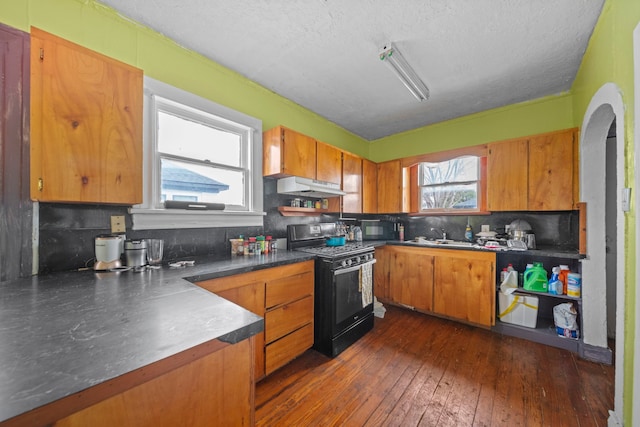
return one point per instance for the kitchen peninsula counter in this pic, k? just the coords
(66, 334)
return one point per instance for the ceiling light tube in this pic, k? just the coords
(391, 56)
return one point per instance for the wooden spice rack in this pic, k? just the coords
(290, 211)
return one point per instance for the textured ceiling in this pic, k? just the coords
(473, 55)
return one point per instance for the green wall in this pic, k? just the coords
(609, 58)
(527, 118)
(100, 28)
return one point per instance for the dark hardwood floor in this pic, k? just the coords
(414, 369)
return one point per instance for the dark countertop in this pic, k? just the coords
(63, 333)
(551, 251)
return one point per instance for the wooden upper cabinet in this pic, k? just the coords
(286, 152)
(390, 179)
(86, 125)
(352, 183)
(369, 187)
(507, 185)
(539, 173)
(328, 163)
(551, 171)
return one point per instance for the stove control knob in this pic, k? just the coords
(344, 263)
(349, 261)
(357, 260)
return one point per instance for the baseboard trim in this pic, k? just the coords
(595, 354)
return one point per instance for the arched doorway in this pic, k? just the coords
(606, 107)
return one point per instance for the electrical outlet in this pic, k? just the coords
(485, 228)
(626, 199)
(117, 224)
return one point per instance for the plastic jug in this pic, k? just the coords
(535, 278)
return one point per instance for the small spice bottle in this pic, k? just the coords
(267, 245)
(260, 242)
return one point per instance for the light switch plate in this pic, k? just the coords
(626, 199)
(485, 228)
(117, 224)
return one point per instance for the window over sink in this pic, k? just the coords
(450, 184)
(198, 152)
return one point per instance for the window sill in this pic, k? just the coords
(157, 219)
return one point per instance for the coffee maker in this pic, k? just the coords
(109, 248)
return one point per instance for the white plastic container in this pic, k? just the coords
(518, 309)
(574, 283)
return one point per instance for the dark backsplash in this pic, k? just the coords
(67, 231)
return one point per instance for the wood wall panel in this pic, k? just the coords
(16, 209)
(214, 390)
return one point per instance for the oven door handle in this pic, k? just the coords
(352, 269)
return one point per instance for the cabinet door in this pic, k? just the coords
(381, 274)
(507, 176)
(352, 183)
(86, 125)
(328, 163)
(282, 351)
(299, 155)
(464, 286)
(369, 187)
(250, 297)
(551, 171)
(411, 278)
(286, 318)
(389, 181)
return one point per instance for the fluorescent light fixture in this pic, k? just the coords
(391, 56)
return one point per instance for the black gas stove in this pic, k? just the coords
(343, 286)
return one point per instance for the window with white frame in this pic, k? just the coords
(199, 152)
(450, 185)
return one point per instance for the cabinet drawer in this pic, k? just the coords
(280, 291)
(280, 352)
(287, 318)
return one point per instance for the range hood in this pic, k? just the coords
(305, 187)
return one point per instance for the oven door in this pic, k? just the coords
(348, 304)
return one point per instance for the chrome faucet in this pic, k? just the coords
(444, 233)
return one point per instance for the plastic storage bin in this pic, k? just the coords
(518, 309)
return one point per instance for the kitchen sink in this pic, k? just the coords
(446, 243)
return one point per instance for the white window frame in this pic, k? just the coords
(151, 213)
(477, 181)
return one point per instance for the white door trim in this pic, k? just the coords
(605, 106)
(635, 407)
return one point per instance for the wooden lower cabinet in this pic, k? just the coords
(216, 389)
(381, 273)
(457, 284)
(464, 286)
(250, 296)
(284, 297)
(411, 278)
(282, 351)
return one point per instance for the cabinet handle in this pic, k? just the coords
(40, 184)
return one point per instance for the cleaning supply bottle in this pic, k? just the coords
(563, 276)
(468, 233)
(535, 278)
(555, 285)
